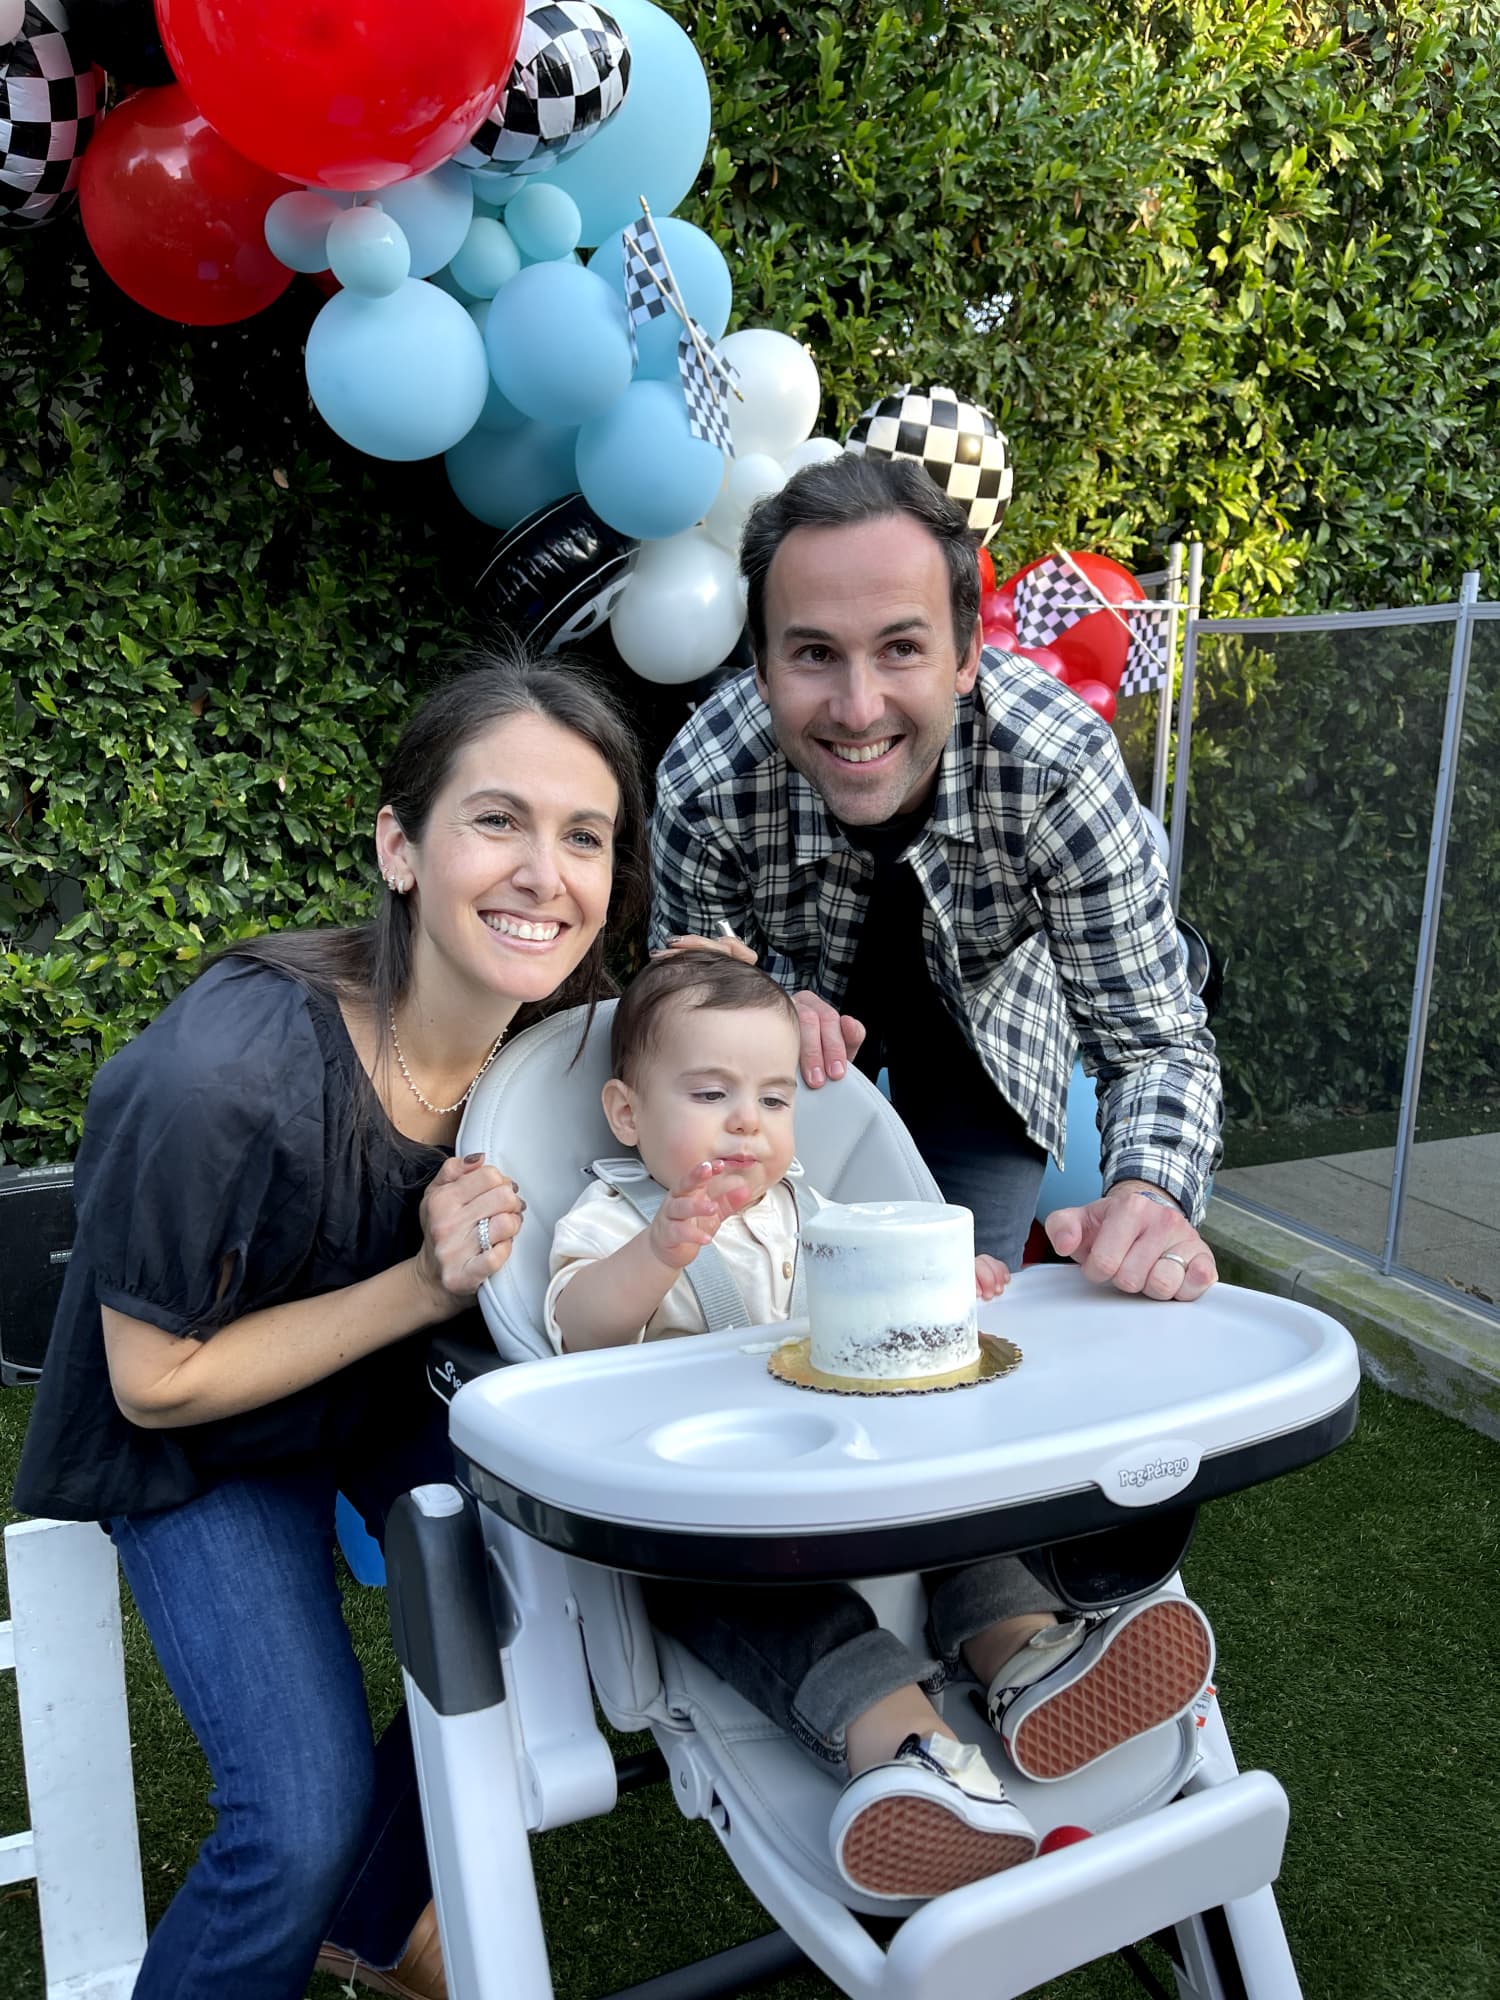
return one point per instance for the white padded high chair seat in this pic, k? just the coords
(537, 1114)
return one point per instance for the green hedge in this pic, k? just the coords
(1221, 270)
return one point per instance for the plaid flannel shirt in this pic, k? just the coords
(1047, 923)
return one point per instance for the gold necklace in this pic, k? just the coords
(442, 1110)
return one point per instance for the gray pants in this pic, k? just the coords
(812, 1656)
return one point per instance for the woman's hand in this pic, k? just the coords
(451, 1263)
(990, 1277)
(694, 1211)
(731, 947)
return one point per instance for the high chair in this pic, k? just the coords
(516, 1607)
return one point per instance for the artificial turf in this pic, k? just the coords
(1357, 1616)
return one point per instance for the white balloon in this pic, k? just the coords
(779, 383)
(12, 19)
(816, 451)
(681, 613)
(748, 479)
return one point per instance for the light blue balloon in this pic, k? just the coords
(499, 413)
(435, 211)
(367, 252)
(503, 477)
(1079, 1180)
(544, 222)
(559, 343)
(641, 469)
(655, 142)
(702, 277)
(402, 377)
(297, 226)
(486, 259)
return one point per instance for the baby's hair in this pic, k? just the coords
(686, 979)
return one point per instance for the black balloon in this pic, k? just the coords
(556, 577)
(123, 38)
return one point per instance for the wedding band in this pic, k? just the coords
(1171, 1257)
(482, 1231)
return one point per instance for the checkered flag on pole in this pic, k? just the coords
(1049, 599)
(707, 382)
(1148, 664)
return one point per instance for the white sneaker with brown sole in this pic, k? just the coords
(932, 1819)
(1075, 1692)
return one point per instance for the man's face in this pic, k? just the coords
(860, 670)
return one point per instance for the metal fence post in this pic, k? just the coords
(1185, 721)
(1173, 593)
(1432, 899)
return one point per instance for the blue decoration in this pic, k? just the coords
(402, 377)
(297, 228)
(544, 222)
(558, 343)
(641, 469)
(367, 252)
(361, 1551)
(502, 476)
(1079, 1182)
(486, 259)
(434, 210)
(654, 144)
(702, 278)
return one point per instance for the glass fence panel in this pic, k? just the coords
(1314, 765)
(1451, 1223)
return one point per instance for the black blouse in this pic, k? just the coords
(228, 1133)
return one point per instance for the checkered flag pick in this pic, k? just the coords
(1148, 664)
(1049, 599)
(647, 287)
(707, 388)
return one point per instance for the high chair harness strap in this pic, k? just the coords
(709, 1277)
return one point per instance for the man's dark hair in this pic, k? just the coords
(689, 979)
(843, 491)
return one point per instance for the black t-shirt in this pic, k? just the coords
(890, 989)
(228, 1133)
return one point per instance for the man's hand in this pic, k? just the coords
(1135, 1243)
(990, 1277)
(694, 1211)
(830, 1040)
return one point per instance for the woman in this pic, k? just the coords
(269, 1220)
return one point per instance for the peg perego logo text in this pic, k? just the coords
(1149, 1474)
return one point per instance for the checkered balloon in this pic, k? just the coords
(47, 110)
(570, 77)
(956, 441)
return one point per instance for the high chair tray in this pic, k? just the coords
(658, 1458)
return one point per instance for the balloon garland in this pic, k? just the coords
(488, 207)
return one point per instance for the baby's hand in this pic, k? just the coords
(692, 1213)
(990, 1277)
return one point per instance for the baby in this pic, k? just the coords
(704, 1053)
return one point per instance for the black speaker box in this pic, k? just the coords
(36, 1241)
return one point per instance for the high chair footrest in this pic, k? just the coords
(1005, 1936)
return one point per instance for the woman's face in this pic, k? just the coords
(511, 878)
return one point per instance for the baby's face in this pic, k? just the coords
(720, 1086)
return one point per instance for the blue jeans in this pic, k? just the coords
(812, 1656)
(318, 1830)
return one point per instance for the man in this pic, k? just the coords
(938, 852)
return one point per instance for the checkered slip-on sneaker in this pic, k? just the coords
(1075, 1692)
(932, 1819)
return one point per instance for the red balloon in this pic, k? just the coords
(1101, 699)
(343, 95)
(1062, 1836)
(175, 217)
(1047, 658)
(986, 572)
(1096, 644)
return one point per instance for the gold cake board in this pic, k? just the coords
(792, 1362)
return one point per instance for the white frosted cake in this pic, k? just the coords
(890, 1290)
